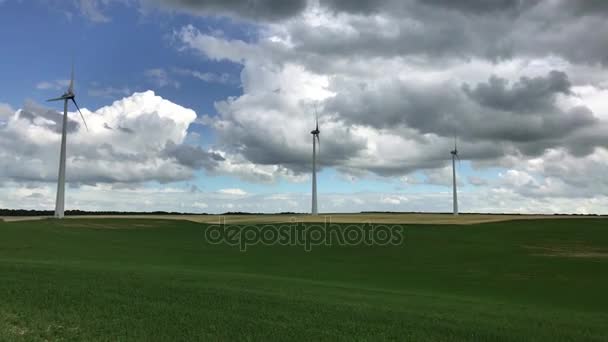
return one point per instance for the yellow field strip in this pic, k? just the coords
(380, 218)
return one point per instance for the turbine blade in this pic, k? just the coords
(316, 118)
(319, 143)
(55, 99)
(71, 87)
(82, 116)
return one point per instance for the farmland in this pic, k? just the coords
(157, 279)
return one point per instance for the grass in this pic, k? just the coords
(127, 279)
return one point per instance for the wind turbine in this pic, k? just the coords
(66, 97)
(455, 191)
(315, 139)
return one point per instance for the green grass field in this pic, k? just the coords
(127, 279)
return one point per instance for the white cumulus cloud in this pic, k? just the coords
(139, 138)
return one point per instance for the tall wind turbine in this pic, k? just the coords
(455, 191)
(66, 97)
(315, 139)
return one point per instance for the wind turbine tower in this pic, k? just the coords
(454, 186)
(66, 98)
(315, 140)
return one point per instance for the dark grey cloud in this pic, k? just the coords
(442, 29)
(264, 148)
(466, 6)
(483, 6)
(395, 169)
(106, 152)
(528, 94)
(478, 7)
(125, 130)
(586, 7)
(438, 37)
(192, 156)
(493, 29)
(52, 119)
(280, 9)
(494, 117)
(356, 6)
(251, 9)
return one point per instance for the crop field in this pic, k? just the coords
(386, 218)
(155, 279)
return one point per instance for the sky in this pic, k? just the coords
(207, 106)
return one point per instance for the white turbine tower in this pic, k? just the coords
(315, 139)
(66, 97)
(455, 191)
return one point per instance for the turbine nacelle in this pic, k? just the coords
(455, 157)
(316, 145)
(65, 96)
(69, 95)
(316, 131)
(454, 152)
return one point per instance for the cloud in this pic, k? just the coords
(139, 197)
(526, 117)
(136, 139)
(521, 83)
(209, 77)
(200, 205)
(53, 85)
(395, 81)
(258, 9)
(393, 200)
(483, 7)
(234, 192)
(192, 156)
(174, 198)
(442, 176)
(91, 10)
(380, 124)
(6, 111)
(477, 181)
(108, 92)
(236, 165)
(528, 94)
(160, 78)
(217, 48)
(559, 174)
(35, 114)
(436, 30)
(433, 29)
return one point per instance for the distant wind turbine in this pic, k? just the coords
(315, 139)
(454, 186)
(66, 97)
